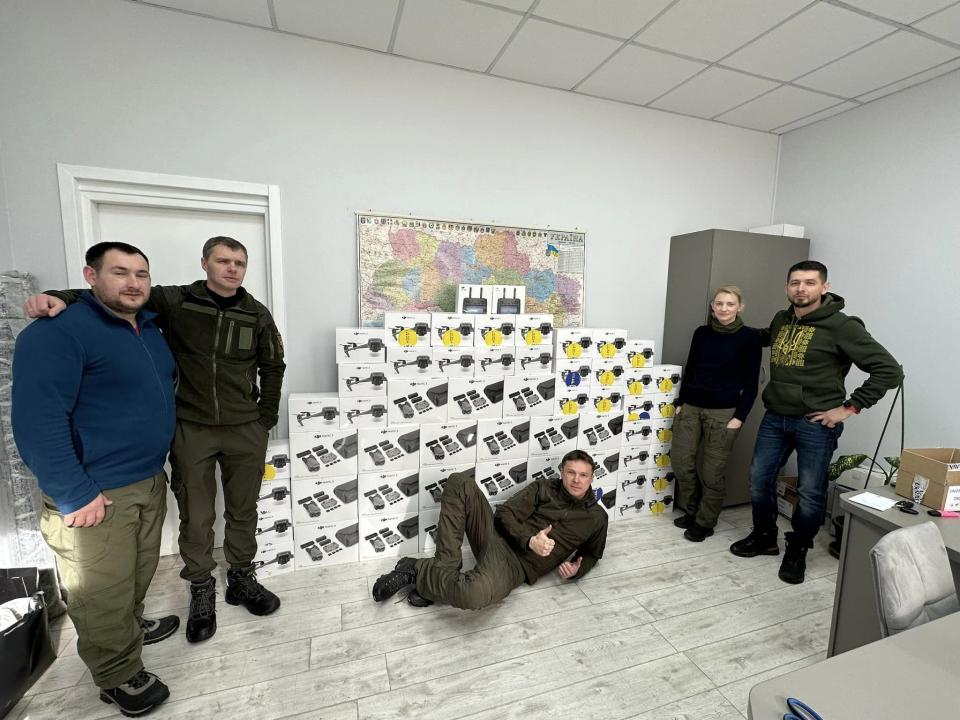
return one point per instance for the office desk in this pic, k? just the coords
(855, 620)
(910, 675)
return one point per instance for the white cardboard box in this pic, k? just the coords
(417, 400)
(389, 535)
(636, 459)
(406, 329)
(274, 554)
(475, 299)
(610, 374)
(324, 499)
(509, 299)
(495, 331)
(326, 543)
(662, 430)
(782, 229)
(388, 449)
(631, 500)
(358, 412)
(434, 478)
(606, 402)
(543, 467)
(452, 330)
(573, 343)
(553, 435)
(637, 433)
(607, 490)
(428, 529)
(639, 408)
(502, 438)
(496, 362)
(273, 502)
(455, 361)
(357, 345)
(607, 464)
(610, 343)
(475, 397)
(324, 453)
(569, 402)
(447, 443)
(411, 362)
(362, 379)
(599, 433)
(276, 464)
(638, 382)
(529, 395)
(633, 483)
(389, 493)
(640, 353)
(574, 375)
(664, 406)
(667, 378)
(500, 480)
(660, 456)
(533, 360)
(534, 330)
(313, 411)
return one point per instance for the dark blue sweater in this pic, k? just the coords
(93, 401)
(722, 370)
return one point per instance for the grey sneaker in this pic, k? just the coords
(160, 629)
(138, 695)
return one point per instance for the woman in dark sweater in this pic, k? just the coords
(718, 389)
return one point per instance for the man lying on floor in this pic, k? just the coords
(551, 524)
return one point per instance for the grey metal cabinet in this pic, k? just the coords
(699, 263)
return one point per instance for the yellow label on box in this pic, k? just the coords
(533, 337)
(608, 350)
(451, 338)
(570, 407)
(493, 338)
(607, 377)
(573, 350)
(638, 361)
(407, 337)
(665, 385)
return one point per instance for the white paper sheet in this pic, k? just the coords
(872, 500)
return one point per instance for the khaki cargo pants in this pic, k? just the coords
(196, 450)
(106, 570)
(701, 494)
(463, 508)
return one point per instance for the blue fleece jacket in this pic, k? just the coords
(93, 401)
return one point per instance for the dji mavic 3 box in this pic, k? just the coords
(496, 361)
(358, 412)
(433, 480)
(273, 500)
(360, 345)
(362, 379)
(528, 395)
(412, 362)
(324, 544)
(313, 411)
(573, 344)
(640, 353)
(324, 453)
(417, 400)
(276, 465)
(502, 438)
(324, 499)
(389, 493)
(599, 433)
(452, 330)
(392, 535)
(475, 397)
(495, 331)
(388, 449)
(500, 480)
(455, 361)
(609, 343)
(450, 442)
(534, 330)
(553, 435)
(406, 329)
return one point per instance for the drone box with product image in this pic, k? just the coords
(475, 299)
(606, 463)
(496, 362)
(666, 379)
(610, 374)
(661, 492)
(534, 331)
(361, 345)
(324, 499)
(455, 361)
(500, 480)
(631, 507)
(633, 483)
(275, 544)
(428, 529)
(574, 375)
(273, 501)
(358, 412)
(326, 543)
(664, 405)
(452, 330)
(529, 395)
(509, 299)
(417, 400)
(637, 433)
(450, 442)
(638, 409)
(551, 435)
(600, 433)
(660, 456)
(662, 430)
(412, 362)
(502, 438)
(475, 397)
(433, 479)
(494, 331)
(570, 402)
(276, 464)
(609, 343)
(930, 477)
(573, 344)
(313, 411)
(543, 467)
(606, 402)
(324, 453)
(402, 329)
(388, 449)
(363, 379)
(638, 382)
(532, 360)
(636, 459)
(392, 535)
(607, 493)
(388, 493)
(640, 353)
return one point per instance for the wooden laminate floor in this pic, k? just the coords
(661, 628)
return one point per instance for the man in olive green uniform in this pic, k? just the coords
(222, 339)
(551, 524)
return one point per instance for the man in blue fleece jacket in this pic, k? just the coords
(93, 417)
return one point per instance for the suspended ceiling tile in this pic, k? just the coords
(638, 75)
(805, 42)
(621, 18)
(549, 54)
(254, 12)
(816, 117)
(783, 105)
(888, 60)
(903, 11)
(912, 80)
(944, 24)
(367, 23)
(453, 33)
(712, 92)
(521, 5)
(709, 29)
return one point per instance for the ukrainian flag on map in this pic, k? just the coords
(552, 251)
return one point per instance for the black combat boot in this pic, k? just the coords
(202, 620)
(243, 589)
(794, 564)
(403, 575)
(758, 542)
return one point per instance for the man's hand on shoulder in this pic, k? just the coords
(541, 544)
(43, 306)
(90, 514)
(568, 569)
(831, 418)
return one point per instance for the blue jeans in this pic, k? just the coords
(778, 436)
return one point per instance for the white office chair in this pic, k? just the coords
(912, 578)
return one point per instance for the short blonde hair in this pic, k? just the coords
(729, 290)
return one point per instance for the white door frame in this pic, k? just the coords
(83, 188)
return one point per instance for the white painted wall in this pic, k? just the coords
(878, 189)
(115, 84)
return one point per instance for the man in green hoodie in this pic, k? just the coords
(812, 347)
(550, 525)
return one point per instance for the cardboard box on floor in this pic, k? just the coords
(941, 467)
(787, 495)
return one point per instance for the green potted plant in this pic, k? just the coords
(849, 462)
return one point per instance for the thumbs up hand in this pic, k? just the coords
(541, 544)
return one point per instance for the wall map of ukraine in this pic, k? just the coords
(416, 265)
